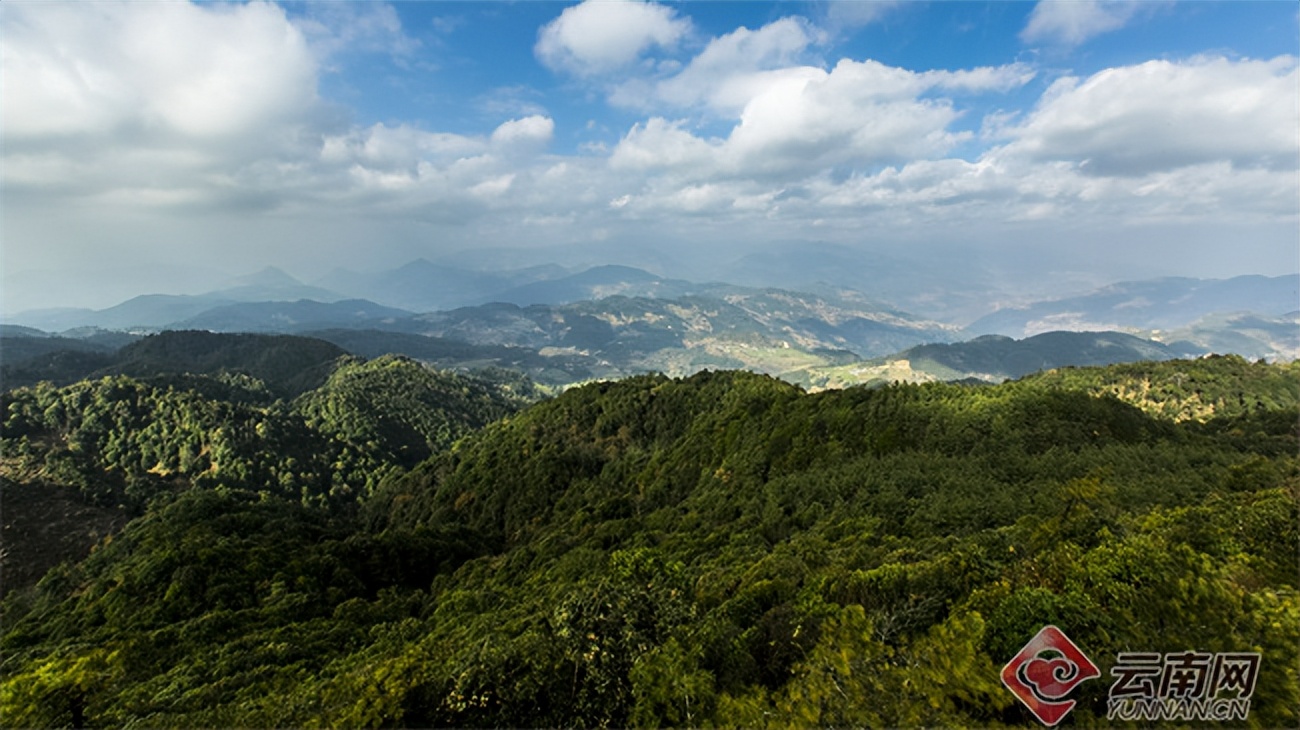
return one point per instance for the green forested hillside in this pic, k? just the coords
(285, 364)
(392, 413)
(1217, 387)
(723, 549)
(121, 444)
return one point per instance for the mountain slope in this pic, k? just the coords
(723, 550)
(597, 282)
(554, 368)
(950, 288)
(1156, 304)
(1225, 387)
(769, 331)
(28, 356)
(1248, 335)
(285, 364)
(406, 410)
(148, 311)
(994, 358)
(296, 316)
(273, 284)
(21, 344)
(77, 462)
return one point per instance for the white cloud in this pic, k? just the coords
(1206, 140)
(801, 120)
(381, 146)
(184, 107)
(202, 120)
(1071, 22)
(982, 79)
(493, 187)
(407, 169)
(532, 132)
(791, 119)
(151, 71)
(732, 68)
(859, 114)
(1161, 115)
(662, 144)
(599, 36)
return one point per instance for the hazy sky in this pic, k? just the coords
(156, 146)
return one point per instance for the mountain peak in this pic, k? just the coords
(269, 276)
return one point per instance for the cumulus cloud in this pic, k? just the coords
(1161, 115)
(600, 36)
(1071, 23)
(443, 175)
(1206, 139)
(732, 68)
(213, 108)
(383, 147)
(175, 107)
(802, 120)
(531, 132)
(151, 70)
(663, 144)
(793, 119)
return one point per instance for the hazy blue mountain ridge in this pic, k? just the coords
(1155, 304)
(614, 320)
(156, 311)
(296, 316)
(423, 286)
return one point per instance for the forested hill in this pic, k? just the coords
(1217, 387)
(78, 461)
(723, 549)
(287, 365)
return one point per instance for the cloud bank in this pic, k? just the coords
(126, 113)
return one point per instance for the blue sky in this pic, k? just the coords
(167, 146)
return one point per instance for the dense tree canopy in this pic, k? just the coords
(718, 550)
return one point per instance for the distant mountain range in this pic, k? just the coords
(157, 311)
(289, 364)
(1253, 316)
(1155, 304)
(424, 286)
(609, 321)
(723, 326)
(298, 316)
(995, 358)
(603, 322)
(1251, 335)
